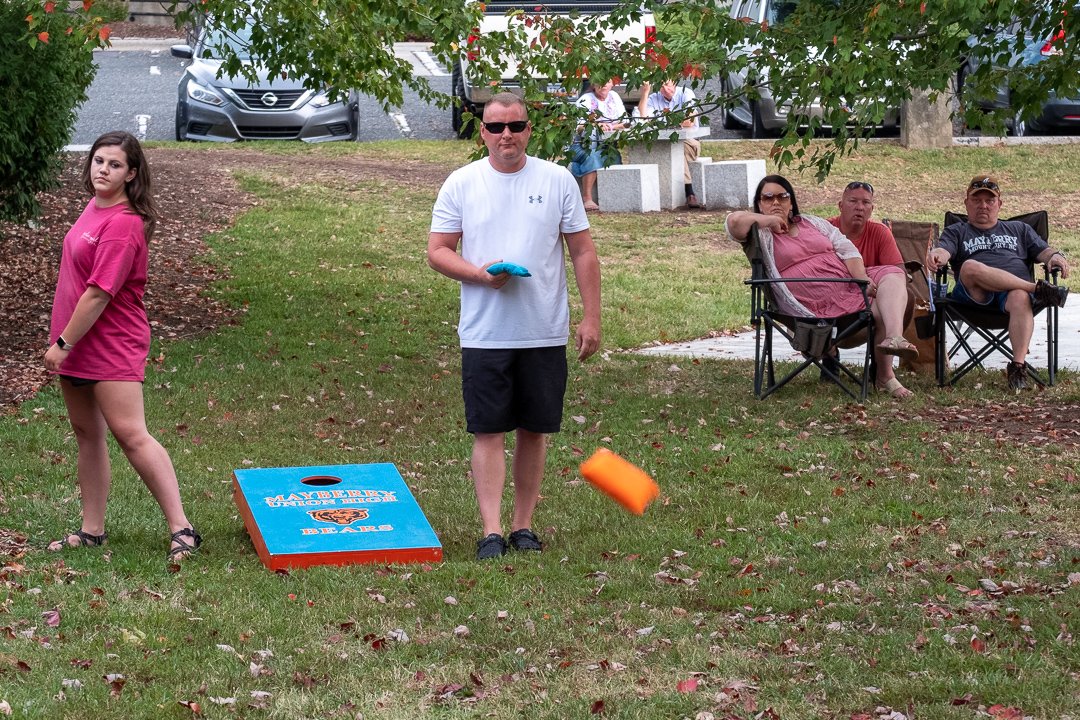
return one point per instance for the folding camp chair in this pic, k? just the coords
(970, 324)
(773, 307)
(914, 239)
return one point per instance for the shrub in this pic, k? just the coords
(45, 70)
(112, 10)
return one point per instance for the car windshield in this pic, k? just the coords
(780, 11)
(216, 39)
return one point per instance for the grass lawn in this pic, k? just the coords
(808, 558)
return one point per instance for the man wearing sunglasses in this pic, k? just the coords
(989, 258)
(514, 208)
(874, 240)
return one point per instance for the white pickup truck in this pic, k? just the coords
(472, 96)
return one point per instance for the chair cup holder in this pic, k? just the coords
(812, 339)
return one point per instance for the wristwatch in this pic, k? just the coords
(63, 344)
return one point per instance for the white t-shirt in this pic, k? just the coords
(608, 110)
(518, 218)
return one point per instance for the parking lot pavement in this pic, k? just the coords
(741, 346)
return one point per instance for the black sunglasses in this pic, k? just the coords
(496, 128)
(984, 184)
(860, 185)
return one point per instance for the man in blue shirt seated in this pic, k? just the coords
(672, 98)
(990, 259)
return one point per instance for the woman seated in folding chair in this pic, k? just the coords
(807, 246)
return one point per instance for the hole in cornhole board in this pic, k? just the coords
(321, 480)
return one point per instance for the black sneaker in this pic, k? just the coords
(489, 547)
(525, 539)
(1017, 375)
(1049, 295)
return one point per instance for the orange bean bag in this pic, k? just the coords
(626, 484)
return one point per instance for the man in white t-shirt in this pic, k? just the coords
(514, 208)
(668, 99)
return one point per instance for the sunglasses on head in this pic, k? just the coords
(768, 197)
(984, 184)
(860, 185)
(516, 126)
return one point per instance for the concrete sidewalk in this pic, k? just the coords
(741, 346)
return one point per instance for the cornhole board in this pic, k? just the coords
(298, 517)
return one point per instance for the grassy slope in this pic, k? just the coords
(808, 555)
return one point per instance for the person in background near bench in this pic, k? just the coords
(990, 259)
(806, 246)
(672, 98)
(873, 240)
(514, 330)
(607, 113)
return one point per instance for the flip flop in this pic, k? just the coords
(899, 346)
(591, 206)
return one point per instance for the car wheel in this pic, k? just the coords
(728, 120)
(180, 136)
(961, 79)
(1019, 127)
(757, 128)
(463, 129)
(355, 134)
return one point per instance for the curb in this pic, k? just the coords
(122, 44)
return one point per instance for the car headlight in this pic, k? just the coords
(321, 100)
(204, 94)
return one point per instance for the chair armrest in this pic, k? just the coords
(863, 285)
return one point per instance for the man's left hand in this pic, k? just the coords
(1058, 261)
(587, 339)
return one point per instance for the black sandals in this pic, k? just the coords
(85, 540)
(183, 548)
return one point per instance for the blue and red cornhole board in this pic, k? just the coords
(333, 515)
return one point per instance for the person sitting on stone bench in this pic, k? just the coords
(668, 99)
(606, 113)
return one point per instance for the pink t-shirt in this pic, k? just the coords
(105, 248)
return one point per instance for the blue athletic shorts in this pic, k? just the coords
(960, 294)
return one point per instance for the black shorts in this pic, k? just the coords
(517, 388)
(79, 382)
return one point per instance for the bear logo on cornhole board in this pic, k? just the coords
(303, 516)
(339, 516)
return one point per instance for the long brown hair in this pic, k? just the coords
(137, 188)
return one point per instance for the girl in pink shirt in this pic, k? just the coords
(102, 339)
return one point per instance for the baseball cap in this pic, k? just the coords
(981, 183)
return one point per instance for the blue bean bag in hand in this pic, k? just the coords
(511, 268)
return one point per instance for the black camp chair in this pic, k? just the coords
(980, 331)
(815, 337)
